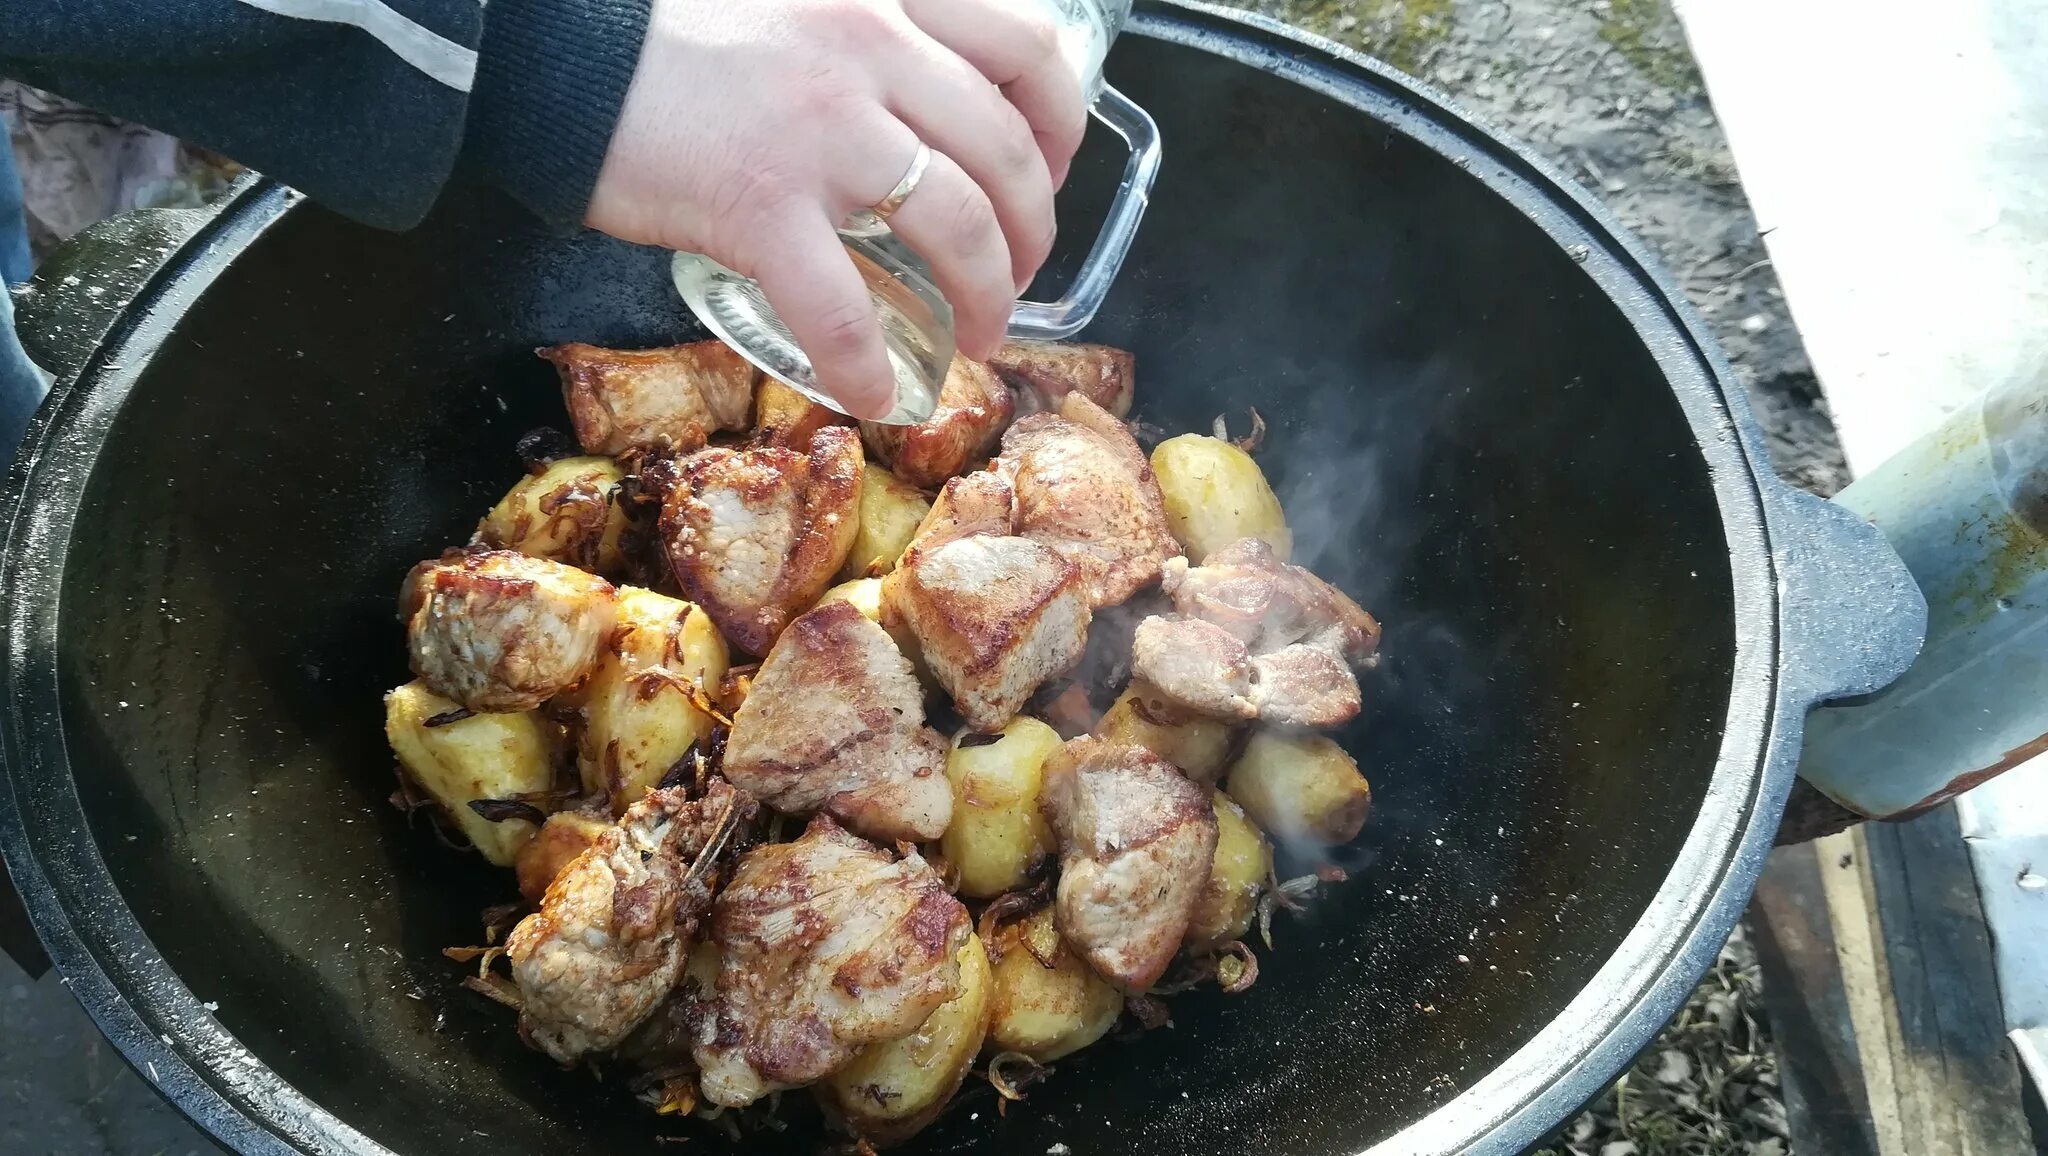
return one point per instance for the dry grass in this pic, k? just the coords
(1708, 1086)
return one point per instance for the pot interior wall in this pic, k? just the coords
(1466, 432)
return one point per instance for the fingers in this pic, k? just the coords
(814, 286)
(954, 109)
(1016, 48)
(951, 224)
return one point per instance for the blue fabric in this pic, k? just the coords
(21, 383)
(14, 259)
(21, 386)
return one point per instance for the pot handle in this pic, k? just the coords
(78, 291)
(1852, 618)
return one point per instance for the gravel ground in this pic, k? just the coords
(1607, 90)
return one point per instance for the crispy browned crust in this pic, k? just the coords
(625, 399)
(994, 616)
(496, 630)
(827, 944)
(1085, 488)
(784, 417)
(1256, 638)
(1043, 374)
(1267, 597)
(606, 945)
(1136, 842)
(1195, 665)
(801, 510)
(974, 409)
(835, 721)
(980, 503)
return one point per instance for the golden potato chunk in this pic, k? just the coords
(890, 1091)
(1216, 494)
(864, 593)
(1143, 717)
(639, 716)
(889, 512)
(784, 417)
(1244, 861)
(1045, 1001)
(458, 758)
(997, 836)
(568, 512)
(564, 836)
(1300, 786)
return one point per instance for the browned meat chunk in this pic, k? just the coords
(1084, 488)
(980, 503)
(835, 722)
(1043, 374)
(994, 617)
(496, 630)
(1136, 841)
(612, 931)
(1256, 638)
(756, 535)
(626, 399)
(974, 410)
(825, 945)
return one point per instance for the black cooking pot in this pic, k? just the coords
(1490, 419)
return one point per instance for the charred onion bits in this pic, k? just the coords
(736, 880)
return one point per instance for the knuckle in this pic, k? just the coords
(844, 329)
(970, 223)
(821, 95)
(855, 24)
(1039, 40)
(1017, 148)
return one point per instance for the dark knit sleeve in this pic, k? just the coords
(550, 78)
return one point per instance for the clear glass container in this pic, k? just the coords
(917, 322)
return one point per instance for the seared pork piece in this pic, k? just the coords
(981, 503)
(974, 409)
(756, 535)
(825, 945)
(993, 616)
(1136, 838)
(1266, 603)
(627, 399)
(784, 417)
(499, 631)
(1084, 488)
(835, 722)
(612, 931)
(1256, 638)
(1201, 667)
(1041, 375)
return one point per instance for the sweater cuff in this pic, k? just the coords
(550, 77)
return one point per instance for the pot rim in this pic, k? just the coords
(161, 1027)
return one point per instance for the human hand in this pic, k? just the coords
(752, 128)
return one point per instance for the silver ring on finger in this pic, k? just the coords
(888, 205)
(870, 222)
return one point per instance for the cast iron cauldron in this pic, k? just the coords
(1491, 421)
